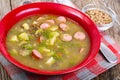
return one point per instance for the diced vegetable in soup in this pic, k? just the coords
(48, 42)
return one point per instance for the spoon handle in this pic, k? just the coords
(109, 55)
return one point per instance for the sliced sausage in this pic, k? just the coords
(66, 37)
(61, 19)
(36, 54)
(79, 35)
(44, 25)
(64, 27)
(51, 21)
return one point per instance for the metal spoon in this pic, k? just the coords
(108, 54)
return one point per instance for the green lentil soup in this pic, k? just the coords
(48, 42)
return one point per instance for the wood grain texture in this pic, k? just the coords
(16, 3)
(4, 7)
(3, 74)
(111, 74)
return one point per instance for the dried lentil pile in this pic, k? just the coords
(99, 17)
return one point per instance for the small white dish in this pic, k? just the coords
(109, 11)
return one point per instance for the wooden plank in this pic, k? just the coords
(115, 31)
(4, 9)
(3, 74)
(16, 3)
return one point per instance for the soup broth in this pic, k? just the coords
(48, 42)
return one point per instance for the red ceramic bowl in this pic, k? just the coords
(49, 8)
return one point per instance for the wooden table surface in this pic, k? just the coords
(111, 74)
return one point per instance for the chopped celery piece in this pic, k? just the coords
(28, 46)
(39, 31)
(25, 52)
(54, 34)
(50, 61)
(53, 28)
(51, 53)
(57, 56)
(23, 36)
(13, 52)
(22, 43)
(49, 34)
(26, 26)
(51, 41)
(46, 33)
(14, 38)
(44, 49)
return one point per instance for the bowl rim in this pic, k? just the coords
(72, 12)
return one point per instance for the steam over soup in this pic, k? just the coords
(48, 42)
